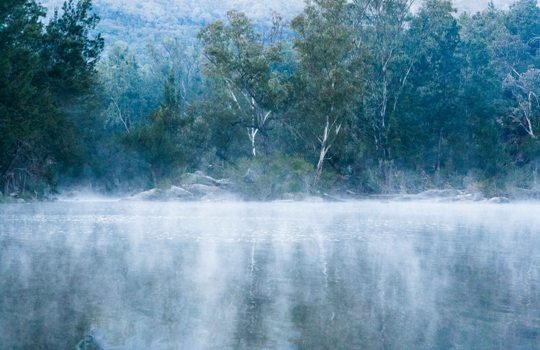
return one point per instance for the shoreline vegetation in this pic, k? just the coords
(348, 100)
(198, 187)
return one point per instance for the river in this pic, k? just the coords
(359, 275)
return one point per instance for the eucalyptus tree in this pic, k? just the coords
(327, 75)
(484, 37)
(511, 42)
(181, 58)
(242, 61)
(125, 88)
(380, 28)
(522, 81)
(525, 92)
(523, 20)
(433, 102)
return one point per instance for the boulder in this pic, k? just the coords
(176, 192)
(200, 178)
(468, 197)
(150, 195)
(477, 197)
(201, 189)
(210, 193)
(193, 186)
(499, 200)
(157, 194)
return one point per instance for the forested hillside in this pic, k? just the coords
(139, 23)
(363, 97)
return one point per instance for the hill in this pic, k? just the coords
(141, 22)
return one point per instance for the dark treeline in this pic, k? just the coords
(371, 96)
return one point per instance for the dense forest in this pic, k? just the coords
(361, 97)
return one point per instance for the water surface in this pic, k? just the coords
(363, 275)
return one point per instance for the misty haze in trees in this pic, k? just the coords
(363, 97)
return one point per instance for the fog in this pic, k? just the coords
(359, 275)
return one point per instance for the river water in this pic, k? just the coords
(363, 275)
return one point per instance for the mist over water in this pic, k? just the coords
(363, 275)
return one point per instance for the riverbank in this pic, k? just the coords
(199, 186)
(211, 194)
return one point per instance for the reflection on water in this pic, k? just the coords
(269, 276)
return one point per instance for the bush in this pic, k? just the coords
(271, 177)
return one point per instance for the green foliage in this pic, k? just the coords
(158, 141)
(170, 142)
(271, 178)
(327, 80)
(70, 50)
(125, 89)
(382, 32)
(368, 96)
(523, 20)
(244, 65)
(432, 101)
(38, 138)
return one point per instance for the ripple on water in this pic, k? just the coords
(285, 276)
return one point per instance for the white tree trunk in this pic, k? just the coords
(325, 145)
(120, 115)
(252, 134)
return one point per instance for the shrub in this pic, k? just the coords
(271, 177)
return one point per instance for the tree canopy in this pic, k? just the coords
(351, 96)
